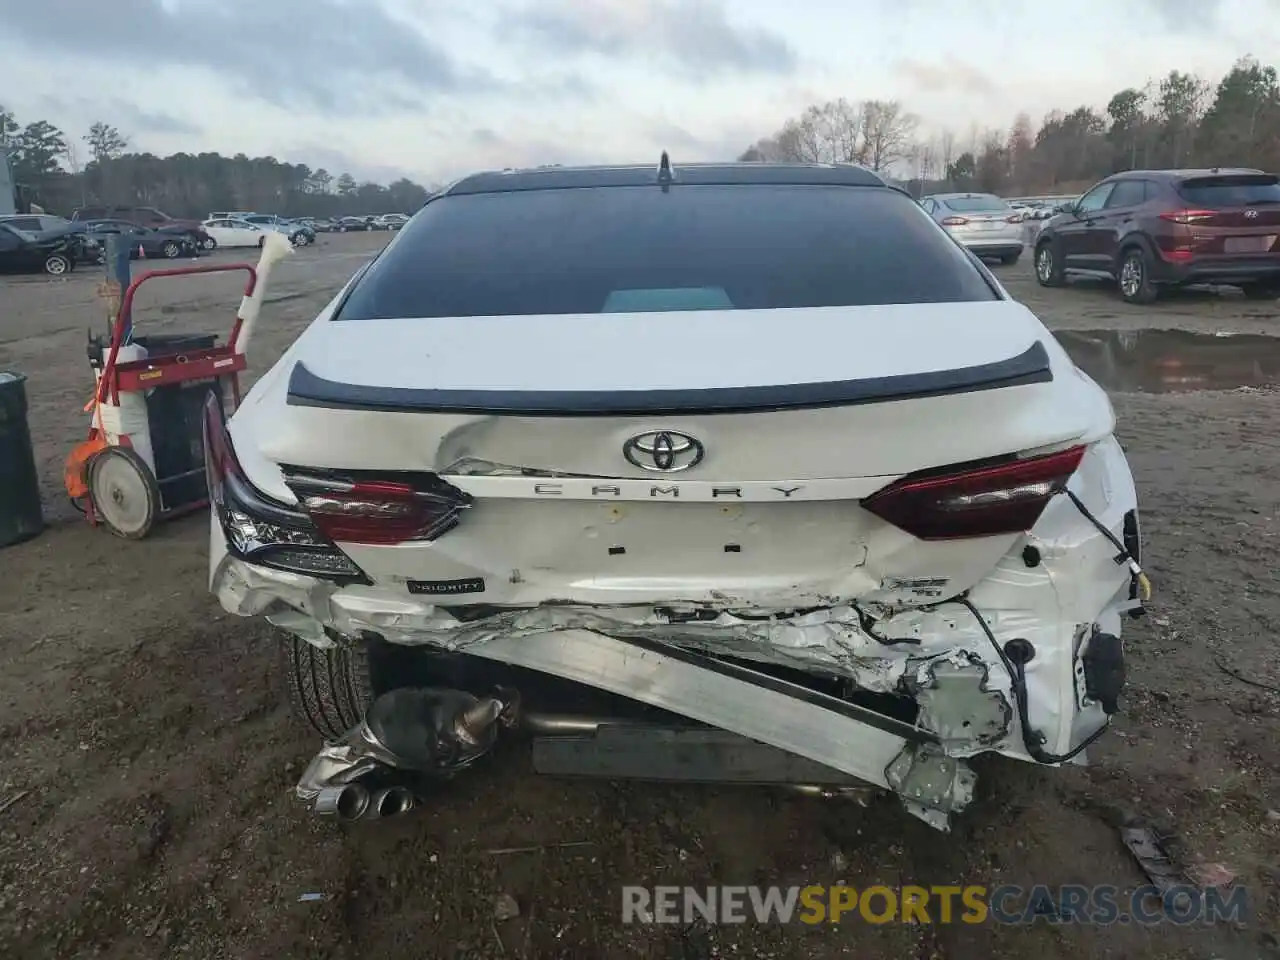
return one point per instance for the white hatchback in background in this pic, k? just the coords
(754, 445)
(982, 222)
(235, 233)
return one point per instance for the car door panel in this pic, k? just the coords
(1112, 222)
(1074, 236)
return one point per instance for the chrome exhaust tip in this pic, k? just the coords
(347, 802)
(392, 802)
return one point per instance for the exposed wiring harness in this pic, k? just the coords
(1018, 653)
(1123, 556)
(1032, 740)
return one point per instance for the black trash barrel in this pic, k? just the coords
(20, 514)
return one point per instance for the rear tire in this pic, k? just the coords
(1049, 272)
(171, 250)
(58, 265)
(1009, 259)
(330, 689)
(1261, 291)
(1134, 276)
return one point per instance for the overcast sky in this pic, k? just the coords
(434, 88)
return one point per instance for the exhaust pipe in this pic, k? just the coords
(347, 802)
(391, 802)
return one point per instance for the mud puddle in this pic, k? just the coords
(1173, 361)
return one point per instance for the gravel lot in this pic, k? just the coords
(155, 754)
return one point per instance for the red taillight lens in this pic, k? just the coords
(983, 502)
(381, 513)
(219, 457)
(1186, 217)
(955, 221)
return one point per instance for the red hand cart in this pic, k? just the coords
(143, 460)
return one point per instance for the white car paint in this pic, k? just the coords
(234, 233)
(570, 539)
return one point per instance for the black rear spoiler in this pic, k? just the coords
(307, 389)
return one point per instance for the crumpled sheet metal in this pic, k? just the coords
(831, 640)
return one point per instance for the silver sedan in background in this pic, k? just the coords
(982, 222)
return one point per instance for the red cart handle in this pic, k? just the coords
(126, 308)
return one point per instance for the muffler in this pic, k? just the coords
(405, 733)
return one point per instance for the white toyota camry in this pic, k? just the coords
(732, 472)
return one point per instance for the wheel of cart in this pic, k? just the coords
(143, 460)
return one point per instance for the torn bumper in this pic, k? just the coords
(939, 657)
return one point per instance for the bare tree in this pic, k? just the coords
(926, 160)
(1020, 148)
(888, 133)
(826, 133)
(946, 152)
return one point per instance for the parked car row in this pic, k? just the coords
(386, 221)
(1145, 230)
(242, 229)
(1039, 208)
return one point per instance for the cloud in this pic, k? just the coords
(1183, 16)
(694, 36)
(319, 156)
(331, 56)
(126, 117)
(947, 73)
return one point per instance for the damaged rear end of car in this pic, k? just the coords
(792, 508)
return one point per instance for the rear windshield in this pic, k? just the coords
(976, 204)
(1232, 191)
(628, 249)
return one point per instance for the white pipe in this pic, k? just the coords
(275, 247)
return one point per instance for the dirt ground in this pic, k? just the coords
(152, 752)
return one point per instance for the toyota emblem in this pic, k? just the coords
(663, 451)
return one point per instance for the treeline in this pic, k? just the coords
(60, 172)
(1179, 121)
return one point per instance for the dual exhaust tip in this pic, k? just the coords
(354, 801)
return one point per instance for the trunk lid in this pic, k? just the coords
(796, 416)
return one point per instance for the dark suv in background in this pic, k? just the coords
(149, 217)
(1148, 229)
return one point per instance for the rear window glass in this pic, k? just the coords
(1237, 191)
(634, 249)
(976, 204)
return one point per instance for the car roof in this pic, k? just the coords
(960, 196)
(1185, 174)
(636, 175)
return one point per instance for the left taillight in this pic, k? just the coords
(378, 511)
(258, 528)
(984, 501)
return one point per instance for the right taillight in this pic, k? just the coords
(975, 502)
(1187, 217)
